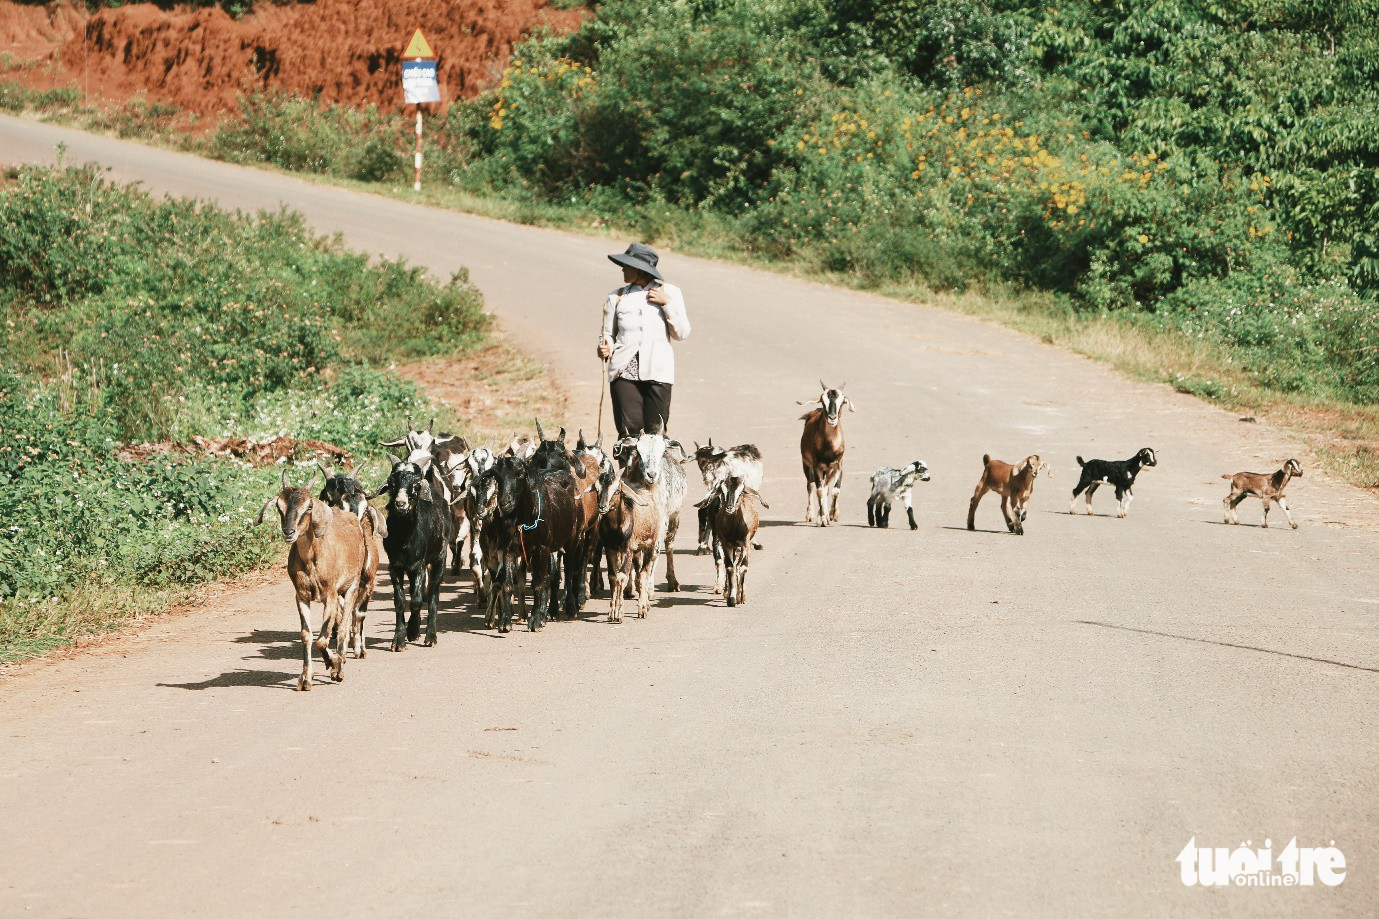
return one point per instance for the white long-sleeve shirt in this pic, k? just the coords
(644, 330)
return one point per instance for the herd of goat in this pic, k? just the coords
(559, 515)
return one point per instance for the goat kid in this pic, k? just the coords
(1267, 488)
(1119, 474)
(821, 451)
(420, 531)
(324, 563)
(736, 514)
(1014, 483)
(889, 485)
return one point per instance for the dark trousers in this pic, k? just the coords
(639, 406)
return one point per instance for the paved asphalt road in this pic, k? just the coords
(898, 722)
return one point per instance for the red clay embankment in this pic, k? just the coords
(343, 51)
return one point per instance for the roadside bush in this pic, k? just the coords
(169, 319)
(297, 134)
(1170, 159)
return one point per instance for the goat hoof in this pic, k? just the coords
(398, 645)
(303, 684)
(430, 641)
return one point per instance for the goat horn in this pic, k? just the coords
(395, 458)
(541, 435)
(822, 384)
(431, 425)
(358, 471)
(285, 485)
(393, 443)
(325, 475)
(409, 422)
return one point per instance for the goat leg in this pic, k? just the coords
(399, 579)
(433, 598)
(810, 488)
(304, 614)
(871, 511)
(672, 529)
(418, 600)
(910, 512)
(1283, 503)
(972, 508)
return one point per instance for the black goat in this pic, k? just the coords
(1119, 474)
(420, 530)
(540, 506)
(343, 490)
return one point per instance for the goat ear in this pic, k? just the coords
(684, 457)
(286, 486)
(263, 510)
(598, 443)
(703, 502)
(848, 403)
(806, 401)
(426, 494)
(755, 494)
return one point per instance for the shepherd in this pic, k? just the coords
(640, 320)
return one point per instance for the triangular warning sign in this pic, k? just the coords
(418, 47)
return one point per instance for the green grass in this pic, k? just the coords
(132, 319)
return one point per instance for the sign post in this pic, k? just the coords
(419, 86)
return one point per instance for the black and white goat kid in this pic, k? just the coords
(1119, 474)
(889, 485)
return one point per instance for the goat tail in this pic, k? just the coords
(986, 459)
(1080, 462)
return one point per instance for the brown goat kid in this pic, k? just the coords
(1014, 483)
(325, 562)
(1267, 488)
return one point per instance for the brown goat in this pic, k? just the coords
(821, 451)
(374, 526)
(1267, 488)
(325, 563)
(630, 533)
(1014, 484)
(735, 514)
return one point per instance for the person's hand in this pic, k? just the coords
(657, 296)
(605, 349)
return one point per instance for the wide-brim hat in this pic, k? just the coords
(638, 258)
